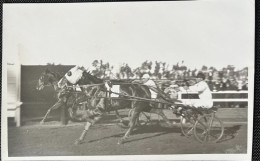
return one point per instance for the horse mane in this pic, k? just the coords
(95, 79)
(56, 75)
(92, 78)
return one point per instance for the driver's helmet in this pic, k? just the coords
(146, 76)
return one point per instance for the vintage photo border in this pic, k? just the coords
(256, 124)
(253, 71)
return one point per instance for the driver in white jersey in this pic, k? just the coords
(151, 84)
(205, 96)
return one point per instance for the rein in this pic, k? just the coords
(136, 98)
(100, 84)
(85, 86)
(130, 98)
(47, 85)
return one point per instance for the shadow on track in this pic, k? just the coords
(230, 133)
(145, 130)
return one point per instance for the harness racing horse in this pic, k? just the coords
(78, 75)
(64, 95)
(48, 78)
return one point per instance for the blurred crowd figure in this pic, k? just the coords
(228, 78)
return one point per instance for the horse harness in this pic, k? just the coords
(108, 99)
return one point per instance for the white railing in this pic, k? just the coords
(229, 92)
(13, 92)
(14, 110)
(220, 99)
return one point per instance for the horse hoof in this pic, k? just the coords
(78, 142)
(42, 122)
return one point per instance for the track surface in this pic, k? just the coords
(53, 139)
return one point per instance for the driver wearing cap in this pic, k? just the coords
(203, 90)
(151, 84)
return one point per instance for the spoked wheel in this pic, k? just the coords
(187, 125)
(143, 118)
(208, 128)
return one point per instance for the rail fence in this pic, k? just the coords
(219, 97)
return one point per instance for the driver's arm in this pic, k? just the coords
(200, 87)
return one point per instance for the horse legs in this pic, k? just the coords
(122, 123)
(131, 127)
(118, 116)
(161, 113)
(86, 128)
(55, 106)
(45, 116)
(83, 134)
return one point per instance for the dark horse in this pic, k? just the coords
(78, 75)
(48, 78)
(64, 96)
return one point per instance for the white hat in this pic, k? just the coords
(146, 76)
(174, 85)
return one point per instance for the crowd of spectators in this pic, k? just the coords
(228, 78)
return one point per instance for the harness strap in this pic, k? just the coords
(133, 98)
(86, 86)
(99, 84)
(143, 99)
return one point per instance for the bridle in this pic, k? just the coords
(50, 83)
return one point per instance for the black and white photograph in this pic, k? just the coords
(168, 80)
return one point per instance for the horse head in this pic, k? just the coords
(47, 78)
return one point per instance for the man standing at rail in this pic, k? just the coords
(203, 90)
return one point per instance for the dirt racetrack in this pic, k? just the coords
(53, 139)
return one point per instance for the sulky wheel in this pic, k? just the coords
(208, 128)
(187, 125)
(143, 118)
